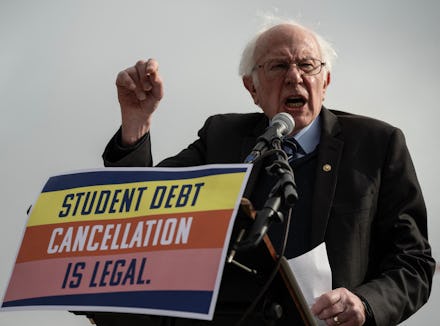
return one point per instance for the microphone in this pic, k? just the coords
(281, 125)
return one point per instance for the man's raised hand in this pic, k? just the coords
(140, 90)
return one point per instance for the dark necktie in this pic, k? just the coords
(293, 149)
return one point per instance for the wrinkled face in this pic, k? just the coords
(293, 92)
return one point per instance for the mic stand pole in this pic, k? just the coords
(284, 192)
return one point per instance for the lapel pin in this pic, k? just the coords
(326, 167)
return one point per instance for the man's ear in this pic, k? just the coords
(248, 82)
(327, 80)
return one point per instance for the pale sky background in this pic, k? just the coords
(59, 60)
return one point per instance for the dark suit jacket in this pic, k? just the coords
(367, 205)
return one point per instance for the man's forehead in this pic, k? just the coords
(290, 38)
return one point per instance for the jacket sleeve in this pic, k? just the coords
(401, 265)
(138, 155)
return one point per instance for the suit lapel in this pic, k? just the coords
(330, 150)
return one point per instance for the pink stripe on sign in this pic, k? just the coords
(180, 270)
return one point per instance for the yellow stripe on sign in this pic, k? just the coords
(128, 200)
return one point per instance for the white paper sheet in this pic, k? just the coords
(312, 272)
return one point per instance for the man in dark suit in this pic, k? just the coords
(358, 191)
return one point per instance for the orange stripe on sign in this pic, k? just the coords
(143, 234)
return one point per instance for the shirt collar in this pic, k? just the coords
(308, 137)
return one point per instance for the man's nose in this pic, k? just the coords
(293, 75)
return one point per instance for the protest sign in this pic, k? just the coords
(141, 240)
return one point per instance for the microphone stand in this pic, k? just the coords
(282, 194)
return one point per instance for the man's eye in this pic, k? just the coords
(275, 66)
(306, 65)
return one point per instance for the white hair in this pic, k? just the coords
(247, 62)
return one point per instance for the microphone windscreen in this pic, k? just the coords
(286, 120)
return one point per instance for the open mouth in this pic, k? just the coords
(295, 101)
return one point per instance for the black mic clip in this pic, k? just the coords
(285, 185)
(283, 193)
(264, 143)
